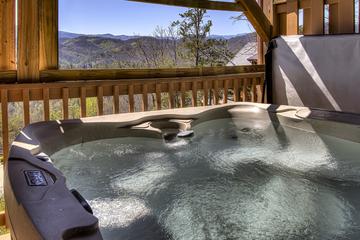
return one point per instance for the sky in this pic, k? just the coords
(121, 17)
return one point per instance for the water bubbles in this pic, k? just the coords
(233, 179)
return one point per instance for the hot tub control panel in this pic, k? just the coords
(35, 178)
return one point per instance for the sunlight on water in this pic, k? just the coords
(127, 211)
(235, 179)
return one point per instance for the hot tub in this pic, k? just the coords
(237, 171)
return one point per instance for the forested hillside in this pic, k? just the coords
(109, 51)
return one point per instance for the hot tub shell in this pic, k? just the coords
(40, 206)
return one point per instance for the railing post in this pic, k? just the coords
(83, 101)
(341, 16)
(100, 100)
(145, 97)
(26, 105)
(194, 93)
(46, 104)
(5, 123)
(116, 101)
(314, 17)
(65, 102)
(292, 17)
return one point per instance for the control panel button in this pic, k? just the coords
(35, 178)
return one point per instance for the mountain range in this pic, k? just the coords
(107, 50)
(63, 34)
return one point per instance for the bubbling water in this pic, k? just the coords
(229, 181)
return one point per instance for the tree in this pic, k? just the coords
(194, 31)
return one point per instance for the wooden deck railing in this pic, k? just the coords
(213, 85)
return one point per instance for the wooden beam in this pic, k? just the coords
(7, 35)
(257, 18)
(8, 76)
(28, 41)
(48, 34)
(116, 74)
(204, 4)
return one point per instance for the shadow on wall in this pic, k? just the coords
(317, 71)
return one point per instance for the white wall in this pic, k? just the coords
(317, 71)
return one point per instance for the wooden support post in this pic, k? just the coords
(5, 123)
(194, 93)
(28, 41)
(26, 106)
(37, 38)
(116, 101)
(314, 18)
(292, 24)
(100, 100)
(7, 35)
(46, 104)
(83, 101)
(65, 102)
(48, 34)
(341, 16)
(131, 98)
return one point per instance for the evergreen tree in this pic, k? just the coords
(194, 31)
